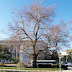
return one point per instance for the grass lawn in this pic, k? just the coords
(30, 68)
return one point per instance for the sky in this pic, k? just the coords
(63, 10)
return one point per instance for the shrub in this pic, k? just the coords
(45, 66)
(16, 60)
(21, 64)
(51, 66)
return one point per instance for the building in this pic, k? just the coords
(19, 49)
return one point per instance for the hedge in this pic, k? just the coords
(51, 66)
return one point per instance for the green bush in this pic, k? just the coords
(16, 60)
(45, 66)
(51, 66)
(21, 64)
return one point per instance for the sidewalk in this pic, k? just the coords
(35, 70)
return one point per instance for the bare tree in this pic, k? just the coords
(31, 23)
(58, 34)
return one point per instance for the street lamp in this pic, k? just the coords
(50, 54)
(59, 62)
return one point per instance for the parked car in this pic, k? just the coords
(68, 64)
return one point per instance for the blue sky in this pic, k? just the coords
(63, 10)
(6, 8)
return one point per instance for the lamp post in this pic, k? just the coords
(50, 54)
(59, 62)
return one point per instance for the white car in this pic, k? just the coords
(68, 64)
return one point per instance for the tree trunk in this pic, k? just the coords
(34, 57)
(34, 61)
